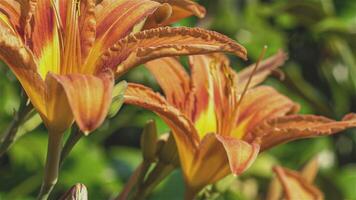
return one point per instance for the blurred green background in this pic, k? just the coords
(320, 38)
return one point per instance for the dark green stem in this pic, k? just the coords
(8, 137)
(144, 169)
(52, 165)
(72, 140)
(130, 183)
(161, 171)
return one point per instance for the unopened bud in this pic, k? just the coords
(149, 141)
(168, 153)
(77, 192)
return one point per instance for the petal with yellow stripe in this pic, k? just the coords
(45, 38)
(202, 95)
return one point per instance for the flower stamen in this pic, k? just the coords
(252, 74)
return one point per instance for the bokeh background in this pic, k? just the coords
(320, 38)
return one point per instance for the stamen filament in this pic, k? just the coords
(58, 23)
(252, 74)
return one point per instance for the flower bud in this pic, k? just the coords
(168, 153)
(77, 192)
(149, 141)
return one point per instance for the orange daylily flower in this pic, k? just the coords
(218, 131)
(66, 53)
(295, 185)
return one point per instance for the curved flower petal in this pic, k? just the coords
(210, 163)
(45, 38)
(213, 90)
(308, 174)
(10, 11)
(292, 127)
(310, 170)
(202, 94)
(240, 153)
(147, 45)
(21, 62)
(89, 97)
(295, 186)
(58, 116)
(182, 128)
(265, 68)
(180, 10)
(117, 18)
(172, 78)
(258, 105)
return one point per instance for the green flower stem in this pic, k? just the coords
(52, 165)
(74, 137)
(131, 183)
(8, 137)
(143, 171)
(161, 171)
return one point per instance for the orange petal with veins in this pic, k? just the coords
(11, 10)
(116, 19)
(151, 44)
(293, 127)
(172, 78)
(23, 65)
(89, 97)
(296, 187)
(183, 130)
(240, 153)
(260, 104)
(218, 156)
